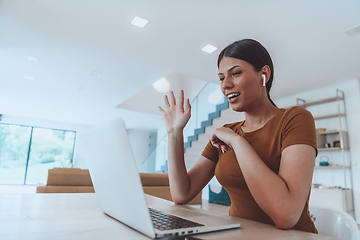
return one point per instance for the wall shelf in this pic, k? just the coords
(332, 145)
(322, 101)
(336, 115)
(333, 141)
(329, 132)
(336, 198)
(330, 149)
(332, 167)
(330, 136)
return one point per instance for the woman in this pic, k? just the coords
(265, 162)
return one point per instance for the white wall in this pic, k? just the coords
(142, 143)
(352, 101)
(161, 148)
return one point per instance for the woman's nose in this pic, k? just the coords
(227, 82)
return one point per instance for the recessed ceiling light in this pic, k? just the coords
(30, 78)
(31, 58)
(139, 22)
(209, 48)
(162, 85)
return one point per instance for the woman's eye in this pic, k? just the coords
(236, 73)
(221, 78)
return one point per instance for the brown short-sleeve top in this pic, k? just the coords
(290, 126)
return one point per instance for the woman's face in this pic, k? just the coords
(240, 83)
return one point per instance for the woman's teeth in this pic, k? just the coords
(233, 95)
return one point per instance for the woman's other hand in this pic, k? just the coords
(175, 116)
(223, 138)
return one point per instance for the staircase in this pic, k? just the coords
(199, 128)
(207, 123)
(196, 143)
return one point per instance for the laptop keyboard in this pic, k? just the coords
(163, 221)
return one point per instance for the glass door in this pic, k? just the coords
(50, 148)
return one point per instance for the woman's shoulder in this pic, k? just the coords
(294, 111)
(296, 114)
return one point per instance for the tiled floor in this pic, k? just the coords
(17, 189)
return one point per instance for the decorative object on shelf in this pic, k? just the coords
(332, 140)
(324, 163)
(320, 130)
(336, 144)
(317, 185)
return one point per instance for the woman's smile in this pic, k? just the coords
(232, 97)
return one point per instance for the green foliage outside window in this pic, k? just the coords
(49, 148)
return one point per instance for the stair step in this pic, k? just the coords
(199, 130)
(187, 145)
(214, 115)
(192, 138)
(222, 106)
(196, 143)
(206, 123)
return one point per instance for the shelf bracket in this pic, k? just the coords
(300, 101)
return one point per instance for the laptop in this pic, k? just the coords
(118, 188)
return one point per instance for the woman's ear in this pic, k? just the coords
(266, 71)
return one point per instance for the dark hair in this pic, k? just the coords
(252, 52)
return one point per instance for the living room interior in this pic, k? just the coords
(67, 66)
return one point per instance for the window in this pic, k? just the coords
(26, 153)
(14, 146)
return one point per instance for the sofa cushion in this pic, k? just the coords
(68, 177)
(154, 179)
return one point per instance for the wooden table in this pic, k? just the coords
(78, 216)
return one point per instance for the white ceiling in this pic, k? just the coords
(90, 59)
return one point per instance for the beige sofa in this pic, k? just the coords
(75, 180)
(67, 180)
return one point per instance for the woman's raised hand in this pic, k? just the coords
(175, 116)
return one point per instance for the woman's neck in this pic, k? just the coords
(260, 113)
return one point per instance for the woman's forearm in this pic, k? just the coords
(178, 178)
(268, 189)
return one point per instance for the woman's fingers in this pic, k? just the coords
(161, 110)
(188, 106)
(216, 142)
(167, 105)
(223, 149)
(181, 100)
(216, 145)
(172, 98)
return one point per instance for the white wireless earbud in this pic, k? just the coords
(264, 79)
